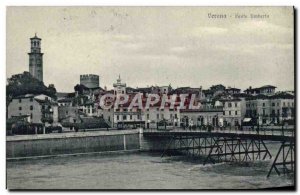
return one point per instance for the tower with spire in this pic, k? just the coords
(119, 87)
(36, 58)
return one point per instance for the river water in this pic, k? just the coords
(139, 171)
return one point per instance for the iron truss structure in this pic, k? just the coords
(222, 147)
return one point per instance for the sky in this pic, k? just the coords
(181, 46)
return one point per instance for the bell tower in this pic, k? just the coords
(36, 58)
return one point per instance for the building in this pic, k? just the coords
(202, 117)
(155, 114)
(36, 58)
(65, 102)
(128, 118)
(273, 109)
(199, 93)
(90, 81)
(232, 90)
(164, 89)
(234, 111)
(119, 87)
(264, 90)
(68, 114)
(39, 108)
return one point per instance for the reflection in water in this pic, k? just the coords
(140, 171)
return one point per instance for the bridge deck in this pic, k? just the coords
(262, 135)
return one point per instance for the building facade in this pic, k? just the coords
(271, 109)
(234, 111)
(39, 108)
(202, 117)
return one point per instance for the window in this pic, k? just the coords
(229, 112)
(20, 100)
(130, 117)
(171, 115)
(229, 104)
(147, 116)
(67, 112)
(117, 117)
(124, 117)
(283, 103)
(31, 107)
(235, 104)
(236, 112)
(176, 116)
(273, 104)
(264, 104)
(157, 116)
(277, 103)
(138, 116)
(20, 108)
(157, 109)
(264, 112)
(162, 116)
(30, 115)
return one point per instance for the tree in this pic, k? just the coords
(21, 84)
(80, 88)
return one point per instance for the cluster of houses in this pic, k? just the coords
(219, 107)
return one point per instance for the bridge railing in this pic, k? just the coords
(258, 131)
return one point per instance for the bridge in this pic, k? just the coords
(230, 145)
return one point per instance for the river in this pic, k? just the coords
(140, 170)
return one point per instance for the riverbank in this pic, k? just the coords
(71, 143)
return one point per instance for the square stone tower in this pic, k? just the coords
(36, 58)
